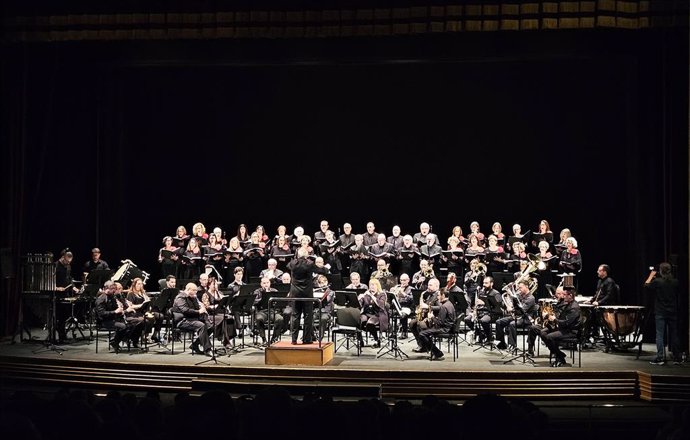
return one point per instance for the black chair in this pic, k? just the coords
(100, 330)
(572, 344)
(109, 332)
(175, 332)
(452, 338)
(347, 324)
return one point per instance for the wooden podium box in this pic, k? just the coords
(284, 353)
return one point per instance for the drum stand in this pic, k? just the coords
(72, 323)
(49, 341)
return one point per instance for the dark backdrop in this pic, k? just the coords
(124, 143)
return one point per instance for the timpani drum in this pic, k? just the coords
(622, 326)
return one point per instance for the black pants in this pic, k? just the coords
(424, 340)
(260, 320)
(552, 339)
(305, 309)
(200, 328)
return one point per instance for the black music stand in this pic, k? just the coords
(242, 304)
(522, 352)
(348, 298)
(265, 304)
(391, 346)
(49, 343)
(163, 302)
(221, 304)
(501, 279)
(98, 278)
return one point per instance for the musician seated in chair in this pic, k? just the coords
(421, 279)
(374, 312)
(327, 297)
(190, 315)
(261, 316)
(562, 326)
(441, 319)
(544, 324)
(522, 315)
(486, 309)
(427, 300)
(141, 303)
(403, 293)
(110, 312)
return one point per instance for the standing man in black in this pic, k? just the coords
(664, 287)
(301, 286)
(606, 293)
(64, 285)
(95, 263)
(607, 290)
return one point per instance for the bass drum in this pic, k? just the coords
(622, 326)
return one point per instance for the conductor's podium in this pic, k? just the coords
(284, 353)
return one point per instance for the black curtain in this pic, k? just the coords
(114, 145)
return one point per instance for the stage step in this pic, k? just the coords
(284, 353)
(335, 389)
(552, 384)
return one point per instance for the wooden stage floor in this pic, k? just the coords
(602, 375)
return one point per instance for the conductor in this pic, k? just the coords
(301, 286)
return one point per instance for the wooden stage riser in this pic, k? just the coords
(286, 354)
(537, 384)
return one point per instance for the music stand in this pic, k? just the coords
(265, 304)
(98, 277)
(391, 346)
(280, 287)
(335, 281)
(240, 305)
(163, 302)
(348, 298)
(526, 324)
(501, 279)
(221, 304)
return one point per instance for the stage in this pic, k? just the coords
(602, 376)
